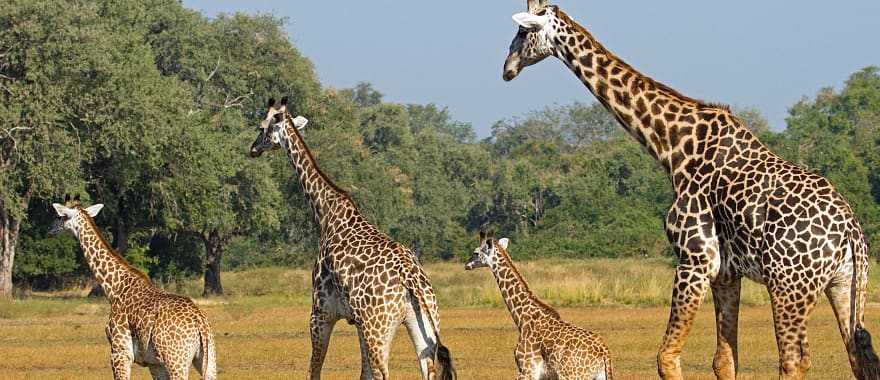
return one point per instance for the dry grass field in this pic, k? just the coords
(262, 329)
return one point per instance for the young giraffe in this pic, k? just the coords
(739, 209)
(162, 331)
(361, 274)
(548, 347)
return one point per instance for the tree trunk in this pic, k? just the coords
(9, 229)
(120, 236)
(213, 254)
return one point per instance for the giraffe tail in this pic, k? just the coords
(442, 357)
(609, 373)
(866, 363)
(444, 361)
(209, 361)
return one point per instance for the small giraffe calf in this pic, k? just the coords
(147, 326)
(548, 347)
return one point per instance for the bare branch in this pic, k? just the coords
(13, 129)
(211, 75)
(8, 78)
(235, 102)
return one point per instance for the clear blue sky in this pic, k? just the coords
(751, 53)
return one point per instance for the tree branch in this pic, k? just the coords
(216, 67)
(236, 102)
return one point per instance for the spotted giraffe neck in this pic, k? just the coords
(321, 192)
(112, 272)
(656, 115)
(521, 302)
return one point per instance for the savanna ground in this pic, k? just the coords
(262, 325)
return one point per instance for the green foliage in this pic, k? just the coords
(150, 107)
(44, 262)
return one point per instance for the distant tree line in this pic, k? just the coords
(149, 108)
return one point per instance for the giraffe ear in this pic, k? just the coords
(93, 210)
(530, 21)
(300, 122)
(270, 103)
(503, 242)
(60, 209)
(284, 101)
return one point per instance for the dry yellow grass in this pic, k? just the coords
(268, 342)
(262, 329)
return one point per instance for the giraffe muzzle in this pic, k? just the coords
(257, 148)
(511, 67)
(474, 263)
(57, 228)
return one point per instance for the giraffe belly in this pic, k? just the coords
(336, 305)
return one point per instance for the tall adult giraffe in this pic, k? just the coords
(739, 210)
(147, 326)
(361, 274)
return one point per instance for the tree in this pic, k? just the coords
(59, 63)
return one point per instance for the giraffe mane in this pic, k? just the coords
(91, 222)
(292, 128)
(509, 261)
(669, 91)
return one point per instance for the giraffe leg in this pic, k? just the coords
(726, 300)
(691, 284)
(377, 338)
(158, 372)
(121, 350)
(171, 344)
(529, 361)
(839, 294)
(696, 244)
(321, 328)
(790, 322)
(531, 366)
(423, 338)
(366, 372)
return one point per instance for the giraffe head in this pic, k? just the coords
(273, 129)
(72, 216)
(487, 254)
(533, 40)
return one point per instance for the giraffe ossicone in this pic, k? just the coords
(147, 326)
(739, 210)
